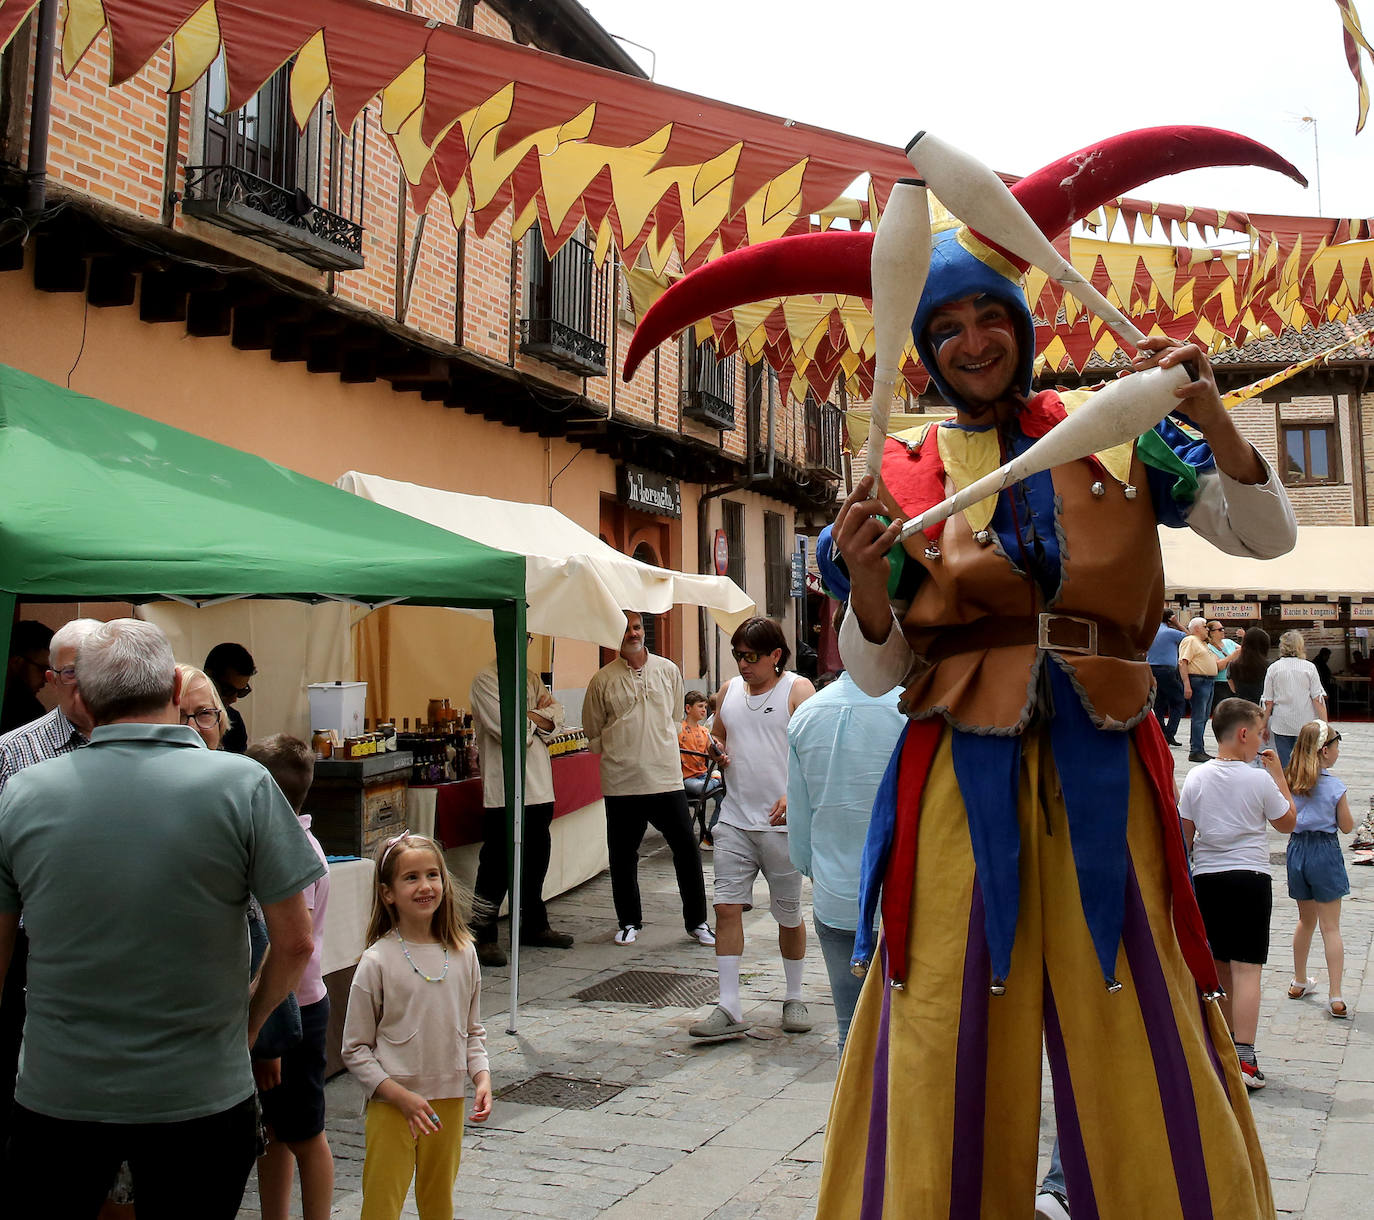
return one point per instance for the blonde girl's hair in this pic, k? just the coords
(1305, 764)
(448, 924)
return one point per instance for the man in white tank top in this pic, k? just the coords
(750, 837)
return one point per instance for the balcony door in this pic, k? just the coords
(260, 137)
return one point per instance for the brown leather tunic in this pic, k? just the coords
(973, 620)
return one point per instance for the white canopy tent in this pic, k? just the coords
(578, 587)
(1328, 561)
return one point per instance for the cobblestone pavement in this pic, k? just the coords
(733, 1131)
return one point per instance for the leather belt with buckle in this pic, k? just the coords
(1067, 633)
(1064, 633)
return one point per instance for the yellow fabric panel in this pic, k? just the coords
(968, 456)
(194, 46)
(1117, 459)
(410, 146)
(309, 79)
(404, 96)
(85, 20)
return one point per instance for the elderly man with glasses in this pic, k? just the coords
(1198, 666)
(62, 730)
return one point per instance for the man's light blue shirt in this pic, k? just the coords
(838, 745)
(1164, 649)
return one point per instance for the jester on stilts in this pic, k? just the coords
(1025, 847)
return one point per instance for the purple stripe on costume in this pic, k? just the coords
(875, 1158)
(1171, 1065)
(1073, 1156)
(971, 1072)
(1211, 1046)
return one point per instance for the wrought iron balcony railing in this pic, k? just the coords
(288, 219)
(565, 320)
(824, 437)
(709, 393)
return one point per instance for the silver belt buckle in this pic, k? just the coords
(1082, 634)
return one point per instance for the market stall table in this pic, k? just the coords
(452, 813)
(1352, 693)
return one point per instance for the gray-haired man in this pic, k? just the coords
(133, 859)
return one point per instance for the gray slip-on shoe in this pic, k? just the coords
(795, 1018)
(718, 1024)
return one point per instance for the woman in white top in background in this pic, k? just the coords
(1293, 693)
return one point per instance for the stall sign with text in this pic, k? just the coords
(1309, 610)
(649, 491)
(1230, 610)
(1362, 611)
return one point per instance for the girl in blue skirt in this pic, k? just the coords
(1316, 870)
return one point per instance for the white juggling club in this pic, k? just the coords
(1118, 413)
(900, 261)
(978, 197)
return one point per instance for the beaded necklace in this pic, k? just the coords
(416, 968)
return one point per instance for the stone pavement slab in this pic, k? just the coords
(734, 1130)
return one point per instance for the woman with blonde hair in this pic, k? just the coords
(201, 706)
(1317, 879)
(1293, 693)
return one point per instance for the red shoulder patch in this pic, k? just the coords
(1041, 413)
(915, 477)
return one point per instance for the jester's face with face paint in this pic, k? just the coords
(973, 329)
(975, 351)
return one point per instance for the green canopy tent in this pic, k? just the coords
(98, 503)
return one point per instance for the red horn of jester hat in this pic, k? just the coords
(1054, 197)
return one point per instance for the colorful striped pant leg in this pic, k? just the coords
(936, 1110)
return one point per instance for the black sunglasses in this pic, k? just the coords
(749, 658)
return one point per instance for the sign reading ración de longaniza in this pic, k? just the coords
(649, 491)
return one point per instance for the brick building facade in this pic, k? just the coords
(276, 290)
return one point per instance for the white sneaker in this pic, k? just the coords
(627, 936)
(1050, 1206)
(703, 933)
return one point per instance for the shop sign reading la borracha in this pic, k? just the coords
(649, 491)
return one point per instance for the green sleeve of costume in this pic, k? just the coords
(1154, 451)
(904, 575)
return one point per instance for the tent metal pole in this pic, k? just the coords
(509, 623)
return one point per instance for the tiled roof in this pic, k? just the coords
(1295, 345)
(1287, 348)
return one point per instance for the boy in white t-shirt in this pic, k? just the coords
(1225, 806)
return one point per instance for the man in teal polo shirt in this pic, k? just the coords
(133, 860)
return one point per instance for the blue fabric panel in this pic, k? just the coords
(988, 769)
(876, 848)
(1197, 453)
(1094, 774)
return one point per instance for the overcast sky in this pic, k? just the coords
(1018, 84)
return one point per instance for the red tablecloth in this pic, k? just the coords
(458, 806)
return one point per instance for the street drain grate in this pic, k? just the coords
(560, 1092)
(656, 988)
